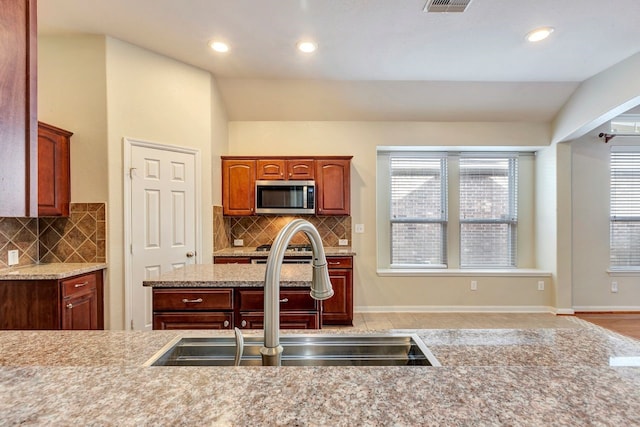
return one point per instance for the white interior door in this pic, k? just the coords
(162, 220)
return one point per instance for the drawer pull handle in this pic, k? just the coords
(284, 300)
(195, 301)
(69, 305)
(333, 262)
(79, 285)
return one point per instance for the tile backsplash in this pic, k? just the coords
(81, 237)
(263, 229)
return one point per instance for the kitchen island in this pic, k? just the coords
(555, 376)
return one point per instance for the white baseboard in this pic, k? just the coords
(601, 308)
(455, 309)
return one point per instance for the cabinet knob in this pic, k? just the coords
(226, 324)
(243, 323)
(69, 305)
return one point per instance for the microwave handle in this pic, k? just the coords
(304, 197)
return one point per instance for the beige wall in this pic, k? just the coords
(360, 139)
(590, 194)
(72, 95)
(157, 99)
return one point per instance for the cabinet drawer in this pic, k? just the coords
(290, 320)
(231, 260)
(340, 262)
(79, 285)
(193, 320)
(192, 299)
(297, 300)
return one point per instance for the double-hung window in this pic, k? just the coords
(488, 210)
(625, 207)
(418, 217)
(453, 210)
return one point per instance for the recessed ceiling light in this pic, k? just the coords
(539, 34)
(307, 46)
(219, 46)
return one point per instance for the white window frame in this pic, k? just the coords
(525, 252)
(511, 220)
(619, 195)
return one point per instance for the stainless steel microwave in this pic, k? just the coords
(285, 197)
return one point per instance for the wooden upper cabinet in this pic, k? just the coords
(333, 186)
(18, 109)
(303, 169)
(285, 169)
(238, 187)
(54, 190)
(271, 169)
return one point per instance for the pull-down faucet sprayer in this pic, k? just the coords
(320, 287)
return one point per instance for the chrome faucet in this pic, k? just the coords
(320, 285)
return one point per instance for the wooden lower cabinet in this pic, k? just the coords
(71, 303)
(192, 320)
(224, 308)
(338, 310)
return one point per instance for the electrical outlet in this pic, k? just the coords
(238, 242)
(343, 242)
(359, 228)
(13, 257)
(614, 287)
(474, 285)
(541, 285)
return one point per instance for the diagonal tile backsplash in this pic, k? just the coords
(81, 237)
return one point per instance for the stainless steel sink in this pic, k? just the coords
(301, 350)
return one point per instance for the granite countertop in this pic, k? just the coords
(253, 252)
(231, 275)
(51, 271)
(489, 377)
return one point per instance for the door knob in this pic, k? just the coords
(190, 254)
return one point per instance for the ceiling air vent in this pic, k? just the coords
(443, 6)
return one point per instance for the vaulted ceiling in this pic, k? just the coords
(376, 59)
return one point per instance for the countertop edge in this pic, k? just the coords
(52, 271)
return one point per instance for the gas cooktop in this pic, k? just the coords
(291, 248)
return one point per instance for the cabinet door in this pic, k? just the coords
(273, 169)
(186, 320)
(238, 187)
(338, 310)
(333, 187)
(303, 169)
(288, 320)
(81, 311)
(18, 109)
(54, 190)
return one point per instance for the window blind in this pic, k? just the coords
(418, 209)
(488, 211)
(625, 207)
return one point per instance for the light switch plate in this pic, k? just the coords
(343, 242)
(359, 228)
(238, 242)
(13, 257)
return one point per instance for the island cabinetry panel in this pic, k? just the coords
(18, 109)
(238, 187)
(338, 310)
(54, 190)
(231, 260)
(297, 309)
(333, 187)
(71, 303)
(189, 308)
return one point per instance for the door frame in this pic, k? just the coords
(128, 143)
